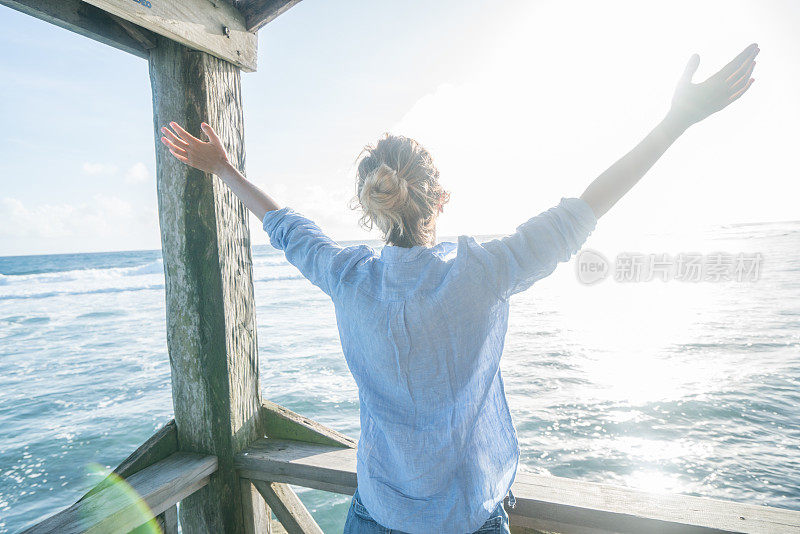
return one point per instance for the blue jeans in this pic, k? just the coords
(360, 522)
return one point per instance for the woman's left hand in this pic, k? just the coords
(208, 156)
(694, 102)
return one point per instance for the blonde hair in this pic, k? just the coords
(397, 187)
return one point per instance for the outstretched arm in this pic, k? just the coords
(691, 103)
(321, 260)
(210, 156)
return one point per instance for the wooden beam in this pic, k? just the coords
(139, 34)
(130, 502)
(292, 514)
(557, 503)
(257, 13)
(251, 500)
(211, 331)
(544, 503)
(81, 18)
(157, 447)
(282, 423)
(328, 468)
(548, 528)
(215, 27)
(170, 520)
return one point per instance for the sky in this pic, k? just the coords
(520, 102)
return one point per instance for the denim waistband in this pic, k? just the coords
(512, 503)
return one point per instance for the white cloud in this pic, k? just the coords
(104, 216)
(137, 174)
(94, 169)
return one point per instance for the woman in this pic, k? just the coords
(422, 324)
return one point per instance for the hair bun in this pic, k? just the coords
(398, 189)
(385, 195)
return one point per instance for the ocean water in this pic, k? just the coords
(667, 386)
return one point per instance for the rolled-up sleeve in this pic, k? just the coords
(514, 262)
(319, 258)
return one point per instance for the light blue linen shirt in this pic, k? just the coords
(422, 330)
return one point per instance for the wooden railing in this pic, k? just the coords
(298, 451)
(543, 503)
(123, 505)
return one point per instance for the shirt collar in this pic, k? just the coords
(394, 253)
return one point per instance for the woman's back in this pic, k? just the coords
(419, 331)
(422, 330)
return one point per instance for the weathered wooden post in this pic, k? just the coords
(211, 328)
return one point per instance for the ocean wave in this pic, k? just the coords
(270, 260)
(153, 267)
(48, 294)
(279, 277)
(112, 280)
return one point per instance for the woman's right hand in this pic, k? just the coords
(694, 102)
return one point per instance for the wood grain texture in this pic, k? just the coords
(328, 468)
(516, 529)
(251, 500)
(84, 19)
(211, 329)
(157, 447)
(169, 520)
(291, 513)
(282, 423)
(215, 27)
(276, 527)
(166, 523)
(558, 502)
(125, 505)
(139, 34)
(257, 13)
(543, 503)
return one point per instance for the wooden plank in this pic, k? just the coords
(257, 13)
(528, 525)
(543, 502)
(157, 447)
(275, 526)
(292, 514)
(215, 27)
(170, 520)
(282, 423)
(128, 503)
(562, 501)
(516, 529)
(327, 468)
(251, 499)
(84, 19)
(139, 34)
(211, 331)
